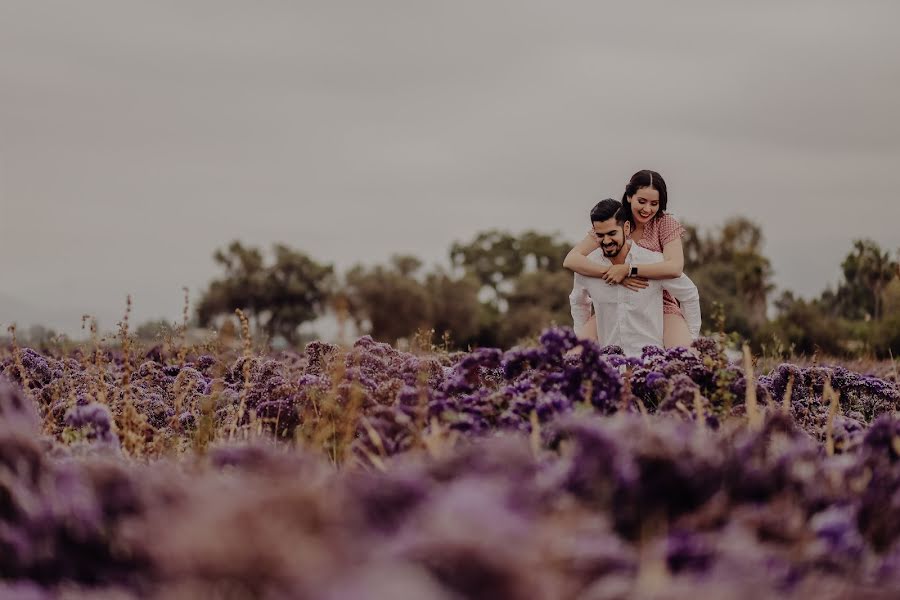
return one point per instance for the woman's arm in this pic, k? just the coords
(581, 264)
(671, 266)
(669, 231)
(577, 260)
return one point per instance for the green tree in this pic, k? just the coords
(278, 297)
(495, 257)
(867, 272)
(155, 329)
(454, 307)
(806, 327)
(502, 291)
(492, 257)
(537, 300)
(890, 302)
(388, 300)
(240, 287)
(506, 267)
(729, 268)
(296, 290)
(40, 336)
(543, 252)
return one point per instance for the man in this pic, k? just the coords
(627, 318)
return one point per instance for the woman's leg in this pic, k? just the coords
(675, 331)
(588, 331)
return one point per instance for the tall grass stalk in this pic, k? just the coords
(754, 414)
(833, 398)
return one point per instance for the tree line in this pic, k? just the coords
(502, 288)
(499, 289)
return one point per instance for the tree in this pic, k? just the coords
(729, 268)
(40, 336)
(241, 287)
(492, 257)
(890, 303)
(394, 301)
(406, 264)
(496, 257)
(514, 271)
(867, 272)
(151, 330)
(278, 297)
(454, 308)
(390, 300)
(296, 290)
(543, 252)
(801, 325)
(537, 300)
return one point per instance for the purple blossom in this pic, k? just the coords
(94, 421)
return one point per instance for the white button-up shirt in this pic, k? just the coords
(627, 318)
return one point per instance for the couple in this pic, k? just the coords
(629, 269)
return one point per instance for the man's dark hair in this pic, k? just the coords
(607, 209)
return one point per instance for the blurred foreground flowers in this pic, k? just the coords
(366, 472)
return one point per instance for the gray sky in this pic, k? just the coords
(137, 137)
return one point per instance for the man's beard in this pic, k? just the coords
(612, 250)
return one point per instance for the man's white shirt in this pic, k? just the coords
(627, 318)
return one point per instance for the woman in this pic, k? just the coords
(645, 201)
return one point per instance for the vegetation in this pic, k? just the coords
(503, 288)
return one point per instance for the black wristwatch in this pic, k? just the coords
(634, 271)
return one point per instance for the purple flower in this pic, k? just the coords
(279, 416)
(470, 372)
(318, 356)
(94, 421)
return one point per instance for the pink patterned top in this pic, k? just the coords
(657, 233)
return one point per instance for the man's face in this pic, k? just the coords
(611, 236)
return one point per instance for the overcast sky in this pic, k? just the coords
(137, 137)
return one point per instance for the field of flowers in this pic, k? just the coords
(366, 472)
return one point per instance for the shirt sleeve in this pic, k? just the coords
(684, 290)
(668, 229)
(580, 303)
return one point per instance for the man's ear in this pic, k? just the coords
(626, 228)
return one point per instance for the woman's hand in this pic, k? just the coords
(617, 273)
(636, 284)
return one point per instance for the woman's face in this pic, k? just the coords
(644, 205)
